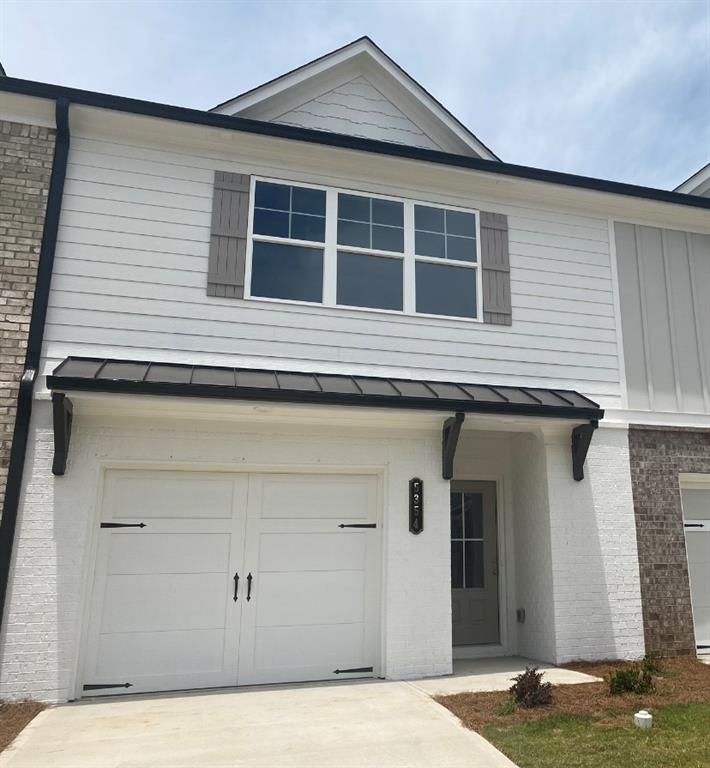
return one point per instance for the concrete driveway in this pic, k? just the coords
(338, 725)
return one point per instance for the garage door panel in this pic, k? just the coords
(131, 655)
(700, 581)
(308, 598)
(163, 610)
(146, 553)
(164, 602)
(701, 615)
(312, 551)
(320, 496)
(329, 646)
(170, 494)
(696, 513)
(696, 503)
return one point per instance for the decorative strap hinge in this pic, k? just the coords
(357, 525)
(101, 686)
(122, 525)
(352, 671)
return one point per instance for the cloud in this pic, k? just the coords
(612, 89)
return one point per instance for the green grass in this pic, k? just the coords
(680, 738)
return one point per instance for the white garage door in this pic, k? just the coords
(696, 514)
(211, 579)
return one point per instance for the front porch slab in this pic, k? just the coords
(475, 675)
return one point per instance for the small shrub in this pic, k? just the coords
(652, 665)
(632, 679)
(528, 690)
(508, 707)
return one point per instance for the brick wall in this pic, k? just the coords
(657, 457)
(26, 153)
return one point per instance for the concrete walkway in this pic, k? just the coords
(496, 675)
(332, 725)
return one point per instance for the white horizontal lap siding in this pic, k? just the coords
(131, 272)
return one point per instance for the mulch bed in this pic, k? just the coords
(14, 716)
(684, 680)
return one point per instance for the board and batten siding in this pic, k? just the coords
(131, 274)
(664, 287)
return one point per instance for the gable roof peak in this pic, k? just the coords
(417, 117)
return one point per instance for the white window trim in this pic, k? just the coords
(330, 253)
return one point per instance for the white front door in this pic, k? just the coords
(175, 550)
(696, 516)
(474, 563)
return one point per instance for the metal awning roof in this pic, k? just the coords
(154, 378)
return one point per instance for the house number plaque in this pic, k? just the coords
(416, 505)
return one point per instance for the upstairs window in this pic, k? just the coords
(340, 248)
(288, 221)
(370, 264)
(446, 261)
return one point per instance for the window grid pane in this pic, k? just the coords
(371, 222)
(442, 229)
(457, 565)
(445, 289)
(283, 271)
(367, 280)
(282, 210)
(467, 544)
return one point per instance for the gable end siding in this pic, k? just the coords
(357, 108)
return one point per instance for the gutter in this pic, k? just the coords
(258, 127)
(25, 394)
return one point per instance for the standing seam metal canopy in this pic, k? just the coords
(154, 378)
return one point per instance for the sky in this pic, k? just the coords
(613, 89)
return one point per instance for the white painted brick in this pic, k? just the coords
(46, 595)
(597, 594)
(571, 555)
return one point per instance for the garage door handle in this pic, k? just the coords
(236, 586)
(249, 587)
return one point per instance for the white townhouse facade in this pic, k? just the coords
(316, 387)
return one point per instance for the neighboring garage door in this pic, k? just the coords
(211, 579)
(696, 514)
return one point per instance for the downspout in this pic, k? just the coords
(25, 395)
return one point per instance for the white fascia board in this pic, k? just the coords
(660, 419)
(245, 101)
(363, 48)
(698, 179)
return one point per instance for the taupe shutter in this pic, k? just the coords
(228, 238)
(495, 264)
